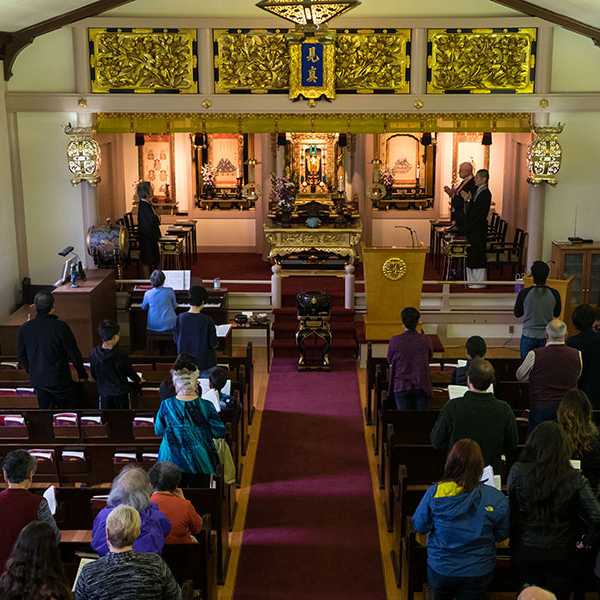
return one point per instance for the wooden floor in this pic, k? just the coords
(261, 379)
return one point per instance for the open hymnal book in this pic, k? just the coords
(458, 391)
(223, 330)
(50, 497)
(82, 563)
(488, 478)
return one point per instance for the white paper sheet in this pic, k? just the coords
(50, 496)
(223, 330)
(205, 387)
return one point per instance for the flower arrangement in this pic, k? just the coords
(387, 178)
(208, 179)
(283, 194)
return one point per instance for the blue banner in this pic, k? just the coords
(312, 65)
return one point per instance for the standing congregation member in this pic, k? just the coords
(478, 415)
(550, 501)
(111, 368)
(409, 355)
(536, 306)
(196, 334)
(587, 341)
(188, 425)
(123, 573)
(19, 506)
(476, 228)
(148, 228)
(168, 496)
(45, 346)
(457, 203)
(131, 487)
(34, 570)
(475, 347)
(551, 371)
(464, 519)
(575, 419)
(160, 302)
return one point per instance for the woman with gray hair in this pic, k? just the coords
(188, 424)
(123, 573)
(131, 487)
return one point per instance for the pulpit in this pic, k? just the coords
(393, 280)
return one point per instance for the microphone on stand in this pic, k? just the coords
(413, 234)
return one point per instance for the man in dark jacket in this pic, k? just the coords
(196, 334)
(476, 228)
(111, 368)
(148, 228)
(480, 416)
(587, 341)
(45, 347)
(475, 348)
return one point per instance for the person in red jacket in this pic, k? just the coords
(18, 506)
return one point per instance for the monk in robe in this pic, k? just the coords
(457, 203)
(148, 228)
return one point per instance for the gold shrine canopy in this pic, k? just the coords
(159, 123)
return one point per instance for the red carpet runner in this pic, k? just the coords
(311, 530)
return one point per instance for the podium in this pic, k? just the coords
(393, 281)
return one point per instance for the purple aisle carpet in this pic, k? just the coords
(311, 530)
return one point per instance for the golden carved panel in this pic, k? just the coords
(481, 60)
(368, 61)
(143, 60)
(256, 61)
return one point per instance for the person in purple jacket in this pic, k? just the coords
(132, 487)
(409, 355)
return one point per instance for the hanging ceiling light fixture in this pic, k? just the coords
(308, 13)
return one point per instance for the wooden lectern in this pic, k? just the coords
(393, 281)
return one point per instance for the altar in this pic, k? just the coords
(309, 251)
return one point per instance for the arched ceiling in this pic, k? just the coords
(17, 14)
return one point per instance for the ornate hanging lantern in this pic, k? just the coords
(544, 155)
(307, 13)
(83, 155)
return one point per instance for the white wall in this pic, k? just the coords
(227, 233)
(46, 65)
(575, 63)
(579, 181)
(8, 244)
(53, 207)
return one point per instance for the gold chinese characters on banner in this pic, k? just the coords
(143, 60)
(481, 61)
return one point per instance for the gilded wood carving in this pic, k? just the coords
(368, 61)
(143, 60)
(256, 61)
(481, 61)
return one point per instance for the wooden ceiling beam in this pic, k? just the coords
(12, 42)
(533, 10)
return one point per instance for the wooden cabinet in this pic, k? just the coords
(582, 261)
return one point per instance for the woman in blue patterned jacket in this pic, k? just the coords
(188, 424)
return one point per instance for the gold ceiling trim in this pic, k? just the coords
(322, 123)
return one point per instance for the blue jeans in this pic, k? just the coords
(529, 343)
(462, 588)
(413, 400)
(540, 413)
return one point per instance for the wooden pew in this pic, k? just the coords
(75, 509)
(194, 563)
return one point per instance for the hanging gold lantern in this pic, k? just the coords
(544, 155)
(83, 155)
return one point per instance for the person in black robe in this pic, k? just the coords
(457, 203)
(476, 228)
(148, 228)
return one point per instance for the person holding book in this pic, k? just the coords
(196, 333)
(111, 368)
